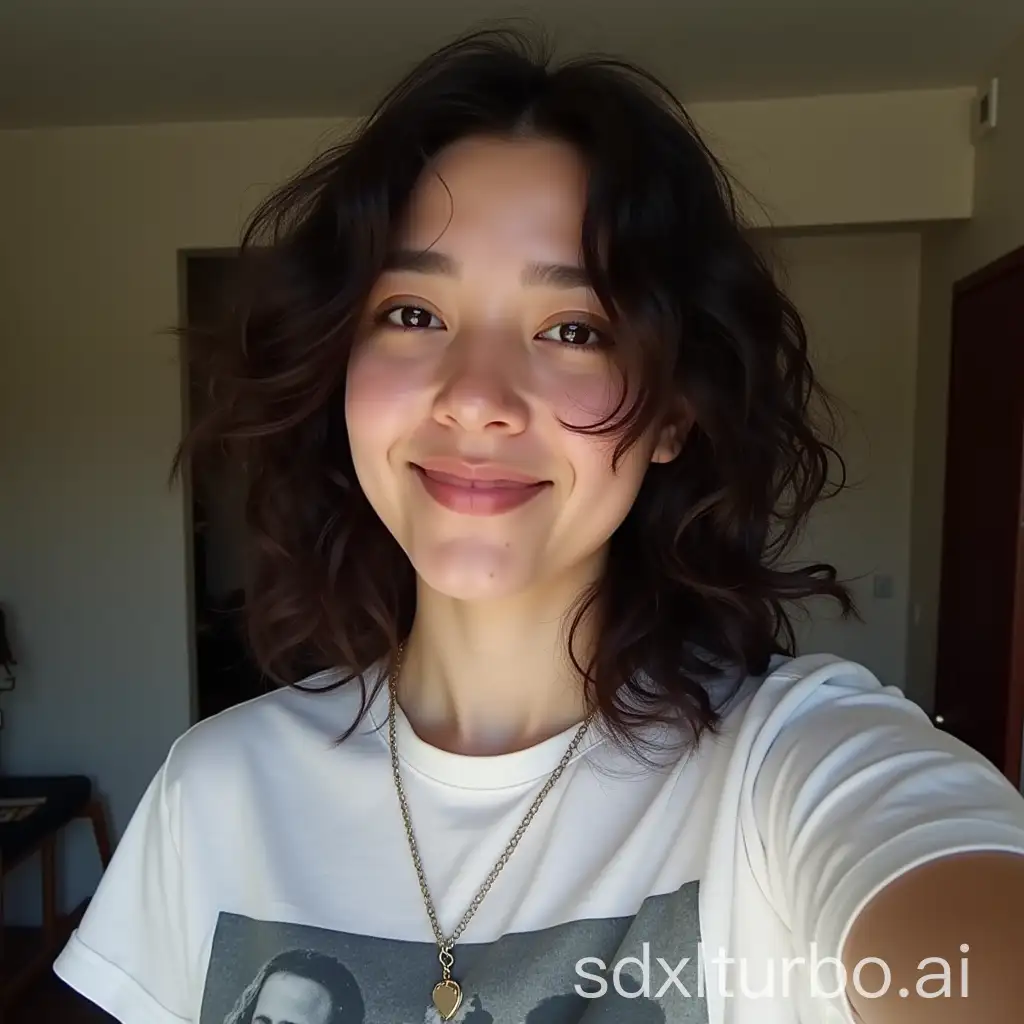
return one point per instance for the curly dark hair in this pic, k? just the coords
(333, 975)
(695, 579)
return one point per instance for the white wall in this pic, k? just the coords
(92, 541)
(951, 252)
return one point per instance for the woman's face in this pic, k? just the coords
(290, 999)
(477, 341)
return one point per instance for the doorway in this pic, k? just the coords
(980, 677)
(225, 673)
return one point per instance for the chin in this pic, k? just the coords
(474, 572)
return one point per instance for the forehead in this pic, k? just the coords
(288, 996)
(499, 192)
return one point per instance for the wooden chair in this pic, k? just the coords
(33, 812)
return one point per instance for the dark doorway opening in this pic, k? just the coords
(225, 673)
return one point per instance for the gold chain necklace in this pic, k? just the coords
(447, 993)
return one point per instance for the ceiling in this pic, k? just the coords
(138, 61)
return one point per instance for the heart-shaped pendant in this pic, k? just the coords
(447, 998)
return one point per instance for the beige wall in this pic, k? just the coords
(950, 252)
(92, 540)
(858, 294)
(878, 159)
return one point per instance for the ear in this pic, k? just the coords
(672, 436)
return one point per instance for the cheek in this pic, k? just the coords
(603, 494)
(380, 397)
(581, 398)
(596, 485)
(600, 498)
(375, 378)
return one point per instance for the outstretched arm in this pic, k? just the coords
(951, 934)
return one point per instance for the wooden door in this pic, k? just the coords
(980, 672)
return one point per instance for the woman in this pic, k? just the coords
(299, 986)
(528, 428)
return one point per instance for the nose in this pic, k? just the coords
(481, 386)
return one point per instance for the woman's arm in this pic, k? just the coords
(874, 834)
(951, 932)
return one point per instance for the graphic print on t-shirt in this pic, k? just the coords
(627, 970)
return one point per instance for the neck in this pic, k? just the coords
(484, 678)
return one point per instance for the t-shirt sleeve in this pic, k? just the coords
(129, 955)
(855, 787)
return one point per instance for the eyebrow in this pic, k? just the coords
(553, 275)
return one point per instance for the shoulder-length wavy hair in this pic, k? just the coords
(695, 578)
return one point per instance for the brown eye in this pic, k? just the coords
(574, 334)
(413, 318)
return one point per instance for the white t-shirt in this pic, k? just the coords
(266, 874)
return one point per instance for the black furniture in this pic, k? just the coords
(33, 812)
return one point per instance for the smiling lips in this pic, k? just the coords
(477, 489)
